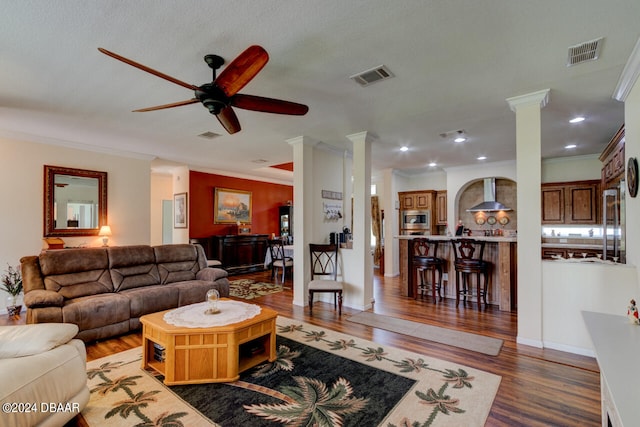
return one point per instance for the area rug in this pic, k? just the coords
(250, 289)
(320, 377)
(466, 340)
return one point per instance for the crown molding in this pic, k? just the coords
(629, 75)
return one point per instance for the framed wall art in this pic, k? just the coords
(231, 206)
(180, 210)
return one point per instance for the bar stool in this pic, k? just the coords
(468, 261)
(425, 258)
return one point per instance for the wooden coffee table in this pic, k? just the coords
(211, 354)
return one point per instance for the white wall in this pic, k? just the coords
(181, 185)
(632, 149)
(22, 185)
(577, 168)
(570, 288)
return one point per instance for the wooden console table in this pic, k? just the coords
(204, 355)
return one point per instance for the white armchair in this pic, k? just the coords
(42, 374)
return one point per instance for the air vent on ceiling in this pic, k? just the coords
(209, 135)
(376, 74)
(587, 51)
(259, 161)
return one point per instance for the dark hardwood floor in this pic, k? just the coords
(539, 387)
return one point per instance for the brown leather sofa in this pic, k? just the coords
(105, 290)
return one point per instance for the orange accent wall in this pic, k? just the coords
(265, 200)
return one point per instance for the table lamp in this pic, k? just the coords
(105, 232)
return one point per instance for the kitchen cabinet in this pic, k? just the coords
(612, 158)
(285, 215)
(416, 200)
(240, 253)
(576, 202)
(441, 208)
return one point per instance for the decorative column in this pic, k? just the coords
(529, 177)
(303, 214)
(359, 262)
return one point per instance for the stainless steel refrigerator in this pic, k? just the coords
(613, 223)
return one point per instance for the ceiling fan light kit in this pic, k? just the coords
(219, 96)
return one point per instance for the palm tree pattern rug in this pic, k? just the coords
(250, 289)
(320, 378)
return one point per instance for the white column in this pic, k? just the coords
(302, 214)
(529, 177)
(358, 262)
(391, 250)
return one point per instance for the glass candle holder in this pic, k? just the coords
(213, 296)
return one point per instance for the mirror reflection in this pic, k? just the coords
(75, 201)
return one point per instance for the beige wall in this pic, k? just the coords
(21, 187)
(577, 168)
(632, 149)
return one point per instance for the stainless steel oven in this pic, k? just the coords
(416, 220)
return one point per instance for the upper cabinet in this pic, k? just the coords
(576, 202)
(612, 159)
(416, 200)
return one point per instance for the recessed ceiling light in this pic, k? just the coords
(460, 139)
(432, 164)
(570, 146)
(404, 148)
(577, 120)
(482, 158)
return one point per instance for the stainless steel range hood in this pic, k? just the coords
(489, 204)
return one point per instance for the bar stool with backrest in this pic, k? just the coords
(425, 259)
(468, 261)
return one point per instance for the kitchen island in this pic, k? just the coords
(501, 252)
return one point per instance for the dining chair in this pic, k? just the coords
(278, 258)
(324, 273)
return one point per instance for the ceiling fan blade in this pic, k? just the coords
(268, 105)
(228, 119)
(147, 69)
(242, 69)
(162, 107)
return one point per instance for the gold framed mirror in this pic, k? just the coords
(75, 201)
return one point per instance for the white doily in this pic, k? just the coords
(194, 316)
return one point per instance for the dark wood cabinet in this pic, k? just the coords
(416, 200)
(612, 158)
(551, 253)
(240, 253)
(576, 202)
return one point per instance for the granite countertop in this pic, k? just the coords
(496, 239)
(572, 245)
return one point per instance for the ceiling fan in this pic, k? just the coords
(221, 94)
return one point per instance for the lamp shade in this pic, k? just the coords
(105, 230)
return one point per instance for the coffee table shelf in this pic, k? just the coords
(203, 355)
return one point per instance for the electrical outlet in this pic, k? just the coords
(445, 276)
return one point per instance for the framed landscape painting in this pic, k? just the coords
(231, 206)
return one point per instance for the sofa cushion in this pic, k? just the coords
(194, 291)
(96, 310)
(151, 299)
(26, 340)
(133, 267)
(76, 272)
(55, 376)
(177, 263)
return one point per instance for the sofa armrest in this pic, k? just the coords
(211, 274)
(43, 298)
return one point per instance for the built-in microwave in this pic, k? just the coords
(416, 220)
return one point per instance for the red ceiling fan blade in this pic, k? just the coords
(173, 104)
(228, 119)
(268, 105)
(147, 69)
(242, 69)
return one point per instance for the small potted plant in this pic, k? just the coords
(12, 284)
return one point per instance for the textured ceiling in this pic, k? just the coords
(455, 63)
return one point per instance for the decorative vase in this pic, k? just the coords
(213, 296)
(13, 308)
